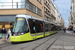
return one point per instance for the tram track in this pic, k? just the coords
(41, 43)
(29, 44)
(51, 44)
(46, 41)
(52, 36)
(5, 45)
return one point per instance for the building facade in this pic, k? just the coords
(73, 11)
(62, 23)
(59, 19)
(70, 19)
(10, 8)
(49, 11)
(43, 9)
(72, 15)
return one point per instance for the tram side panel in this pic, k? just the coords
(48, 29)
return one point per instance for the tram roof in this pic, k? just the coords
(32, 17)
(28, 16)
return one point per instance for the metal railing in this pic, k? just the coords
(10, 5)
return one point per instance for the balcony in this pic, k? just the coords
(53, 16)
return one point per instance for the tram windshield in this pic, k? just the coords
(20, 25)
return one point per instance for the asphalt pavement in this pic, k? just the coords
(58, 41)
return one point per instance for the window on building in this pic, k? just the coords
(74, 9)
(38, 11)
(46, 2)
(21, 4)
(74, 1)
(27, 5)
(45, 17)
(48, 19)
(33, 8)
(39, 1)
(44, 9)
(74, 13)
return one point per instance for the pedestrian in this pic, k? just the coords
(4, 33)
(9, 33)
(74, 29)
(64, 30)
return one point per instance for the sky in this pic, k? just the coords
(64, 9)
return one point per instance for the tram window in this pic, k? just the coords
(39, 28)
(20, 25)
(26, 28)
(35, 26)
(52, 27)
(46, 27)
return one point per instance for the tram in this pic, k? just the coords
(27, 28)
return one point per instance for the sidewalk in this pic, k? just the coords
(4, 41)
(70, 32)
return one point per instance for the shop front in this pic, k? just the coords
(71, 27)
(7, 21)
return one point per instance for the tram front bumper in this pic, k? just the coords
(16, 39)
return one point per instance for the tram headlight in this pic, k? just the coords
(17, 34)
(22, 33)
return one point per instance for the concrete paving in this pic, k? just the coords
(4, 40)
(58, 41)
(70, 32)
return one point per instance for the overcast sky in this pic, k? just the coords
(64, 9)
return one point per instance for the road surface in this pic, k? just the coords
(58, 41)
